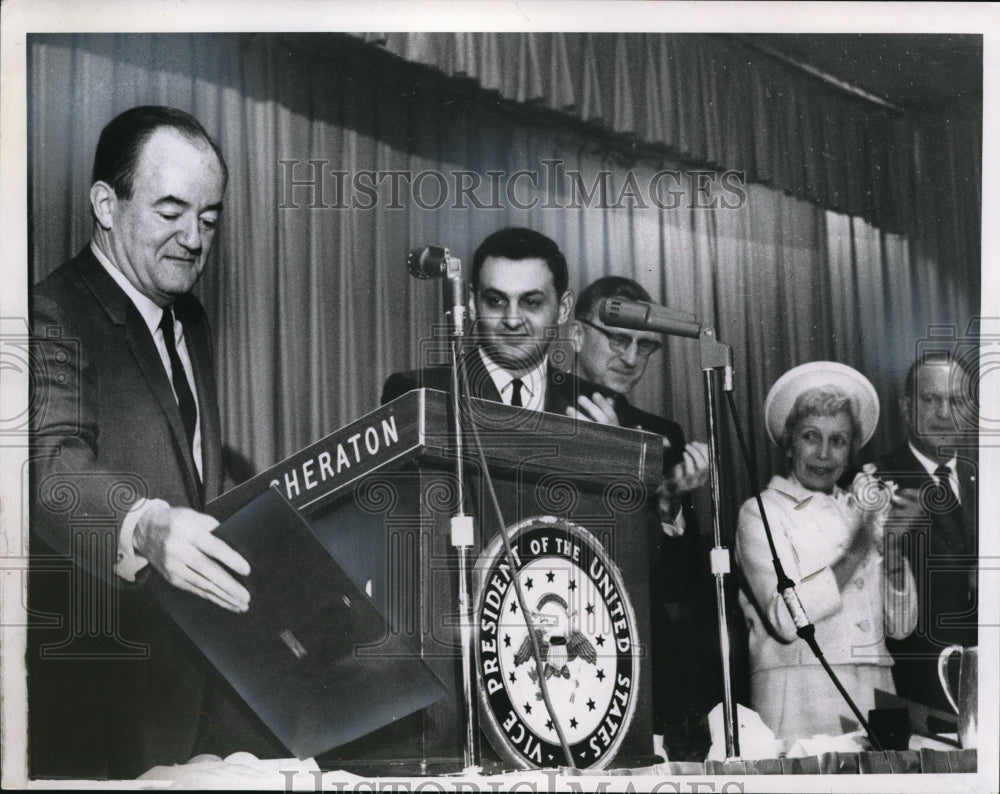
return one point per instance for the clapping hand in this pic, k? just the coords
(905, 513)
(692, 472)
(597, 408)
(906, 506)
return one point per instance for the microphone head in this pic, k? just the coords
(622, 313)
(430, 261)
(643, 316)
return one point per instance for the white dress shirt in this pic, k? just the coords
(932, 465)
(533, 383)
(128, 562)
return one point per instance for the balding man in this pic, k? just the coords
(934, 522)
(128, 453)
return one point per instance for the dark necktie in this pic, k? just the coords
(948, 500)
(185, 399)
(515, 393)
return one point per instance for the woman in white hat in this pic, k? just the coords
(820, 414)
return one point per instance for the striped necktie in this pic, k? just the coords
(182, 388)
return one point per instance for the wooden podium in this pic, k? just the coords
(380, 493)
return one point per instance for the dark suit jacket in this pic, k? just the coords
(107, 430)
(630, 416)
(561, 391)
(942, 556)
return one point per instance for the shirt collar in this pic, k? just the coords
(533, 381)
(151, 313)
(792, 489)
(930, 465)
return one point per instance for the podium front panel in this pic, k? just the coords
(385, 512)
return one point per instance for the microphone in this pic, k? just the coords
(434, 261)
(643, 316)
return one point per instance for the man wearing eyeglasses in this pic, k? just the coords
(617, 359)
(683, 653)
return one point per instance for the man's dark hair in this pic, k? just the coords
(123, 138)
(519, 243)
(608, 287)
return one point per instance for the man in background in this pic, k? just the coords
(934, 521)
(684, 653)
(520, 297)
(127, 452)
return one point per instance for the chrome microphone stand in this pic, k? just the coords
(462, 529)
(716, 356)
(430, 262)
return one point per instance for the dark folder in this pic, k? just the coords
(924, 720)
(312, 657)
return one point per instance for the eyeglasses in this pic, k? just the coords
(620, 342)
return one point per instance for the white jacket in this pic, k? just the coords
(811, 532)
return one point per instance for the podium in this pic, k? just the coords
(380, 493)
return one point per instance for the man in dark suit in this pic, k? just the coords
(685, 652)
(127, 452)
(617, 359)
(520, 296)
(934, 521)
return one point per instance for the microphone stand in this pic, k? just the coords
(646, 316)
(462, 532)
(716, 356)
(433, 261)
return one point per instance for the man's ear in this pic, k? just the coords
(472, 305)
(906, 408)
(576, 335)
(566, 301)
(103, 201)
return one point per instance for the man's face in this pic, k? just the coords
(937, 411)
(612, 357)
(517, 311)
(161, 236)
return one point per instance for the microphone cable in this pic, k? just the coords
(433, 262)
(786, 589)
(463, 380)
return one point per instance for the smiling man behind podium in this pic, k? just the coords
(135, 439)
(520, 297)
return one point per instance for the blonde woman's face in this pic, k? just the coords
(820, 450)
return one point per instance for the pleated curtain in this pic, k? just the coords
(854, 230)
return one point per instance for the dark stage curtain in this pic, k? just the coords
(853, 231)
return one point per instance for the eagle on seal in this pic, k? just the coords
(559, 640)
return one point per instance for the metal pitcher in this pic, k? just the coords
(967, 704)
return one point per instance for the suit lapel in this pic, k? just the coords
(948, 530)
(968, 488)
(480, 383)
(122, 312)
(561, 389)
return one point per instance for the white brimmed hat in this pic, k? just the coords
(816, 374)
